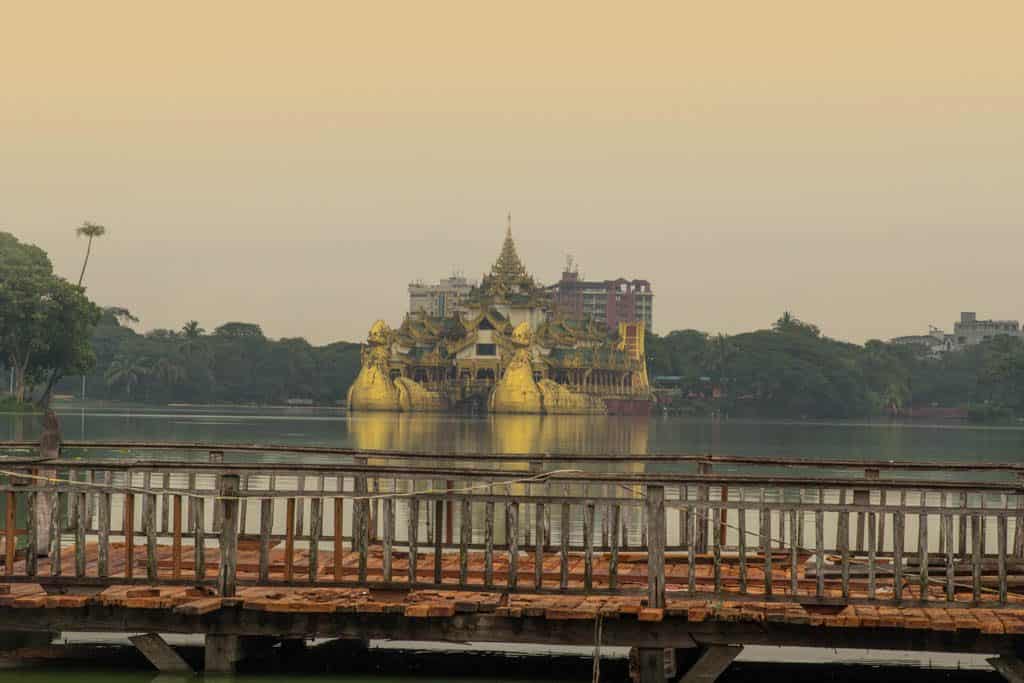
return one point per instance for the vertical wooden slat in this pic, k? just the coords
(191, 514)
(872, 556)
(438, 539)
(128, 525)
(289, 540)
(766, 545)
(538, 552)
(976, 556)
(165, 503)
(793, 555)
(266, 530)
(228, 504)
(243, 505)
(339, 534)
(316, 527)
(684, 516)
(513, 545)
(588, 547)
(839, 521)
(655, 517)
(32, 547)
(691, 556)
(741, 544)
(613, 559)
(389, 536)
(176, 539)
(199, 536)
(819, 549)
(149, 525)
(300, 505)
(413, 536)
(1018, 524)
(898, 537)
(962, 526)
(947, 534)
(844, 552)
(103, 553)
(489, 544)
(80, 524)
(9, 538)
(716, 544)
(922, 551)
(1001, 550)
(563, 580)
(465, 533)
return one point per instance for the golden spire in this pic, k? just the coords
(508, 268)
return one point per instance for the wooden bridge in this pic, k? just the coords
(684, 558)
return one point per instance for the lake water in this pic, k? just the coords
(560, 435)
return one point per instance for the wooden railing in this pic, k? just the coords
(812, 538)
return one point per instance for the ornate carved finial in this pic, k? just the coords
(508, 226)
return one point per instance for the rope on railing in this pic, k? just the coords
(537, 478)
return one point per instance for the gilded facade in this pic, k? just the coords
(506, 352)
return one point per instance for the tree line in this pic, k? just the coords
(792, 370)
(51, 335)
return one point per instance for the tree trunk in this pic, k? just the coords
(88, 249)
(55, 376)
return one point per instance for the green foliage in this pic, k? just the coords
(235, 364)
(45, 321)
(793, 371)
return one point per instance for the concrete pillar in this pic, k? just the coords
(223, 652)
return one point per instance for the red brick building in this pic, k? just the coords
(606, 301)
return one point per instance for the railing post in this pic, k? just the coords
(228, 506)
(655, 500)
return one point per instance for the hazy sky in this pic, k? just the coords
(297, 164)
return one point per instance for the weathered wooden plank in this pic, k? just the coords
(32, 529)
(465, 538)
(741, 545)
(103, 539)
(128, 526)
(872, 556)
(161, 655)
(898, 537)
(766, 545)
(150, 528)
(691, 556)
(316, 526)
(388, 514)
(716, 543)
(588, 546)
(613, 555)
(266, 529)
(819, 550)
(227, 576)
(9, 534)
(80, 526)
(438, 539)
(513, 546)
(176, 539)
(1001, 551)
(976, 556)
(199, 537)
(538, 552)
(947, 534)
(563, 538)
(655, 509)
(339, 533)
(922, 553)
(794, 549)
(289, 540)
(414, 533)
(844, 551)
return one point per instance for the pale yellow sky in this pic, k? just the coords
(296, 164)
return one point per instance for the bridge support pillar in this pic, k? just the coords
(705, 663)
(1009, 666)
(160, 654)
(223, 652)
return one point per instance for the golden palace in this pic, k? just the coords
(505, 353)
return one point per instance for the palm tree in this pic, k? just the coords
(90, 230)
(191, 329)
(168, 371)
(126, 372)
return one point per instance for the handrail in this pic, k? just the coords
(697, 458)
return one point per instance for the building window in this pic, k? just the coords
(486, 350)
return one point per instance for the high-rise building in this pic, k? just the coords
(608, 302)
(441, 300)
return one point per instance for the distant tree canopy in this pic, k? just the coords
(235, 364)
(792, 370)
